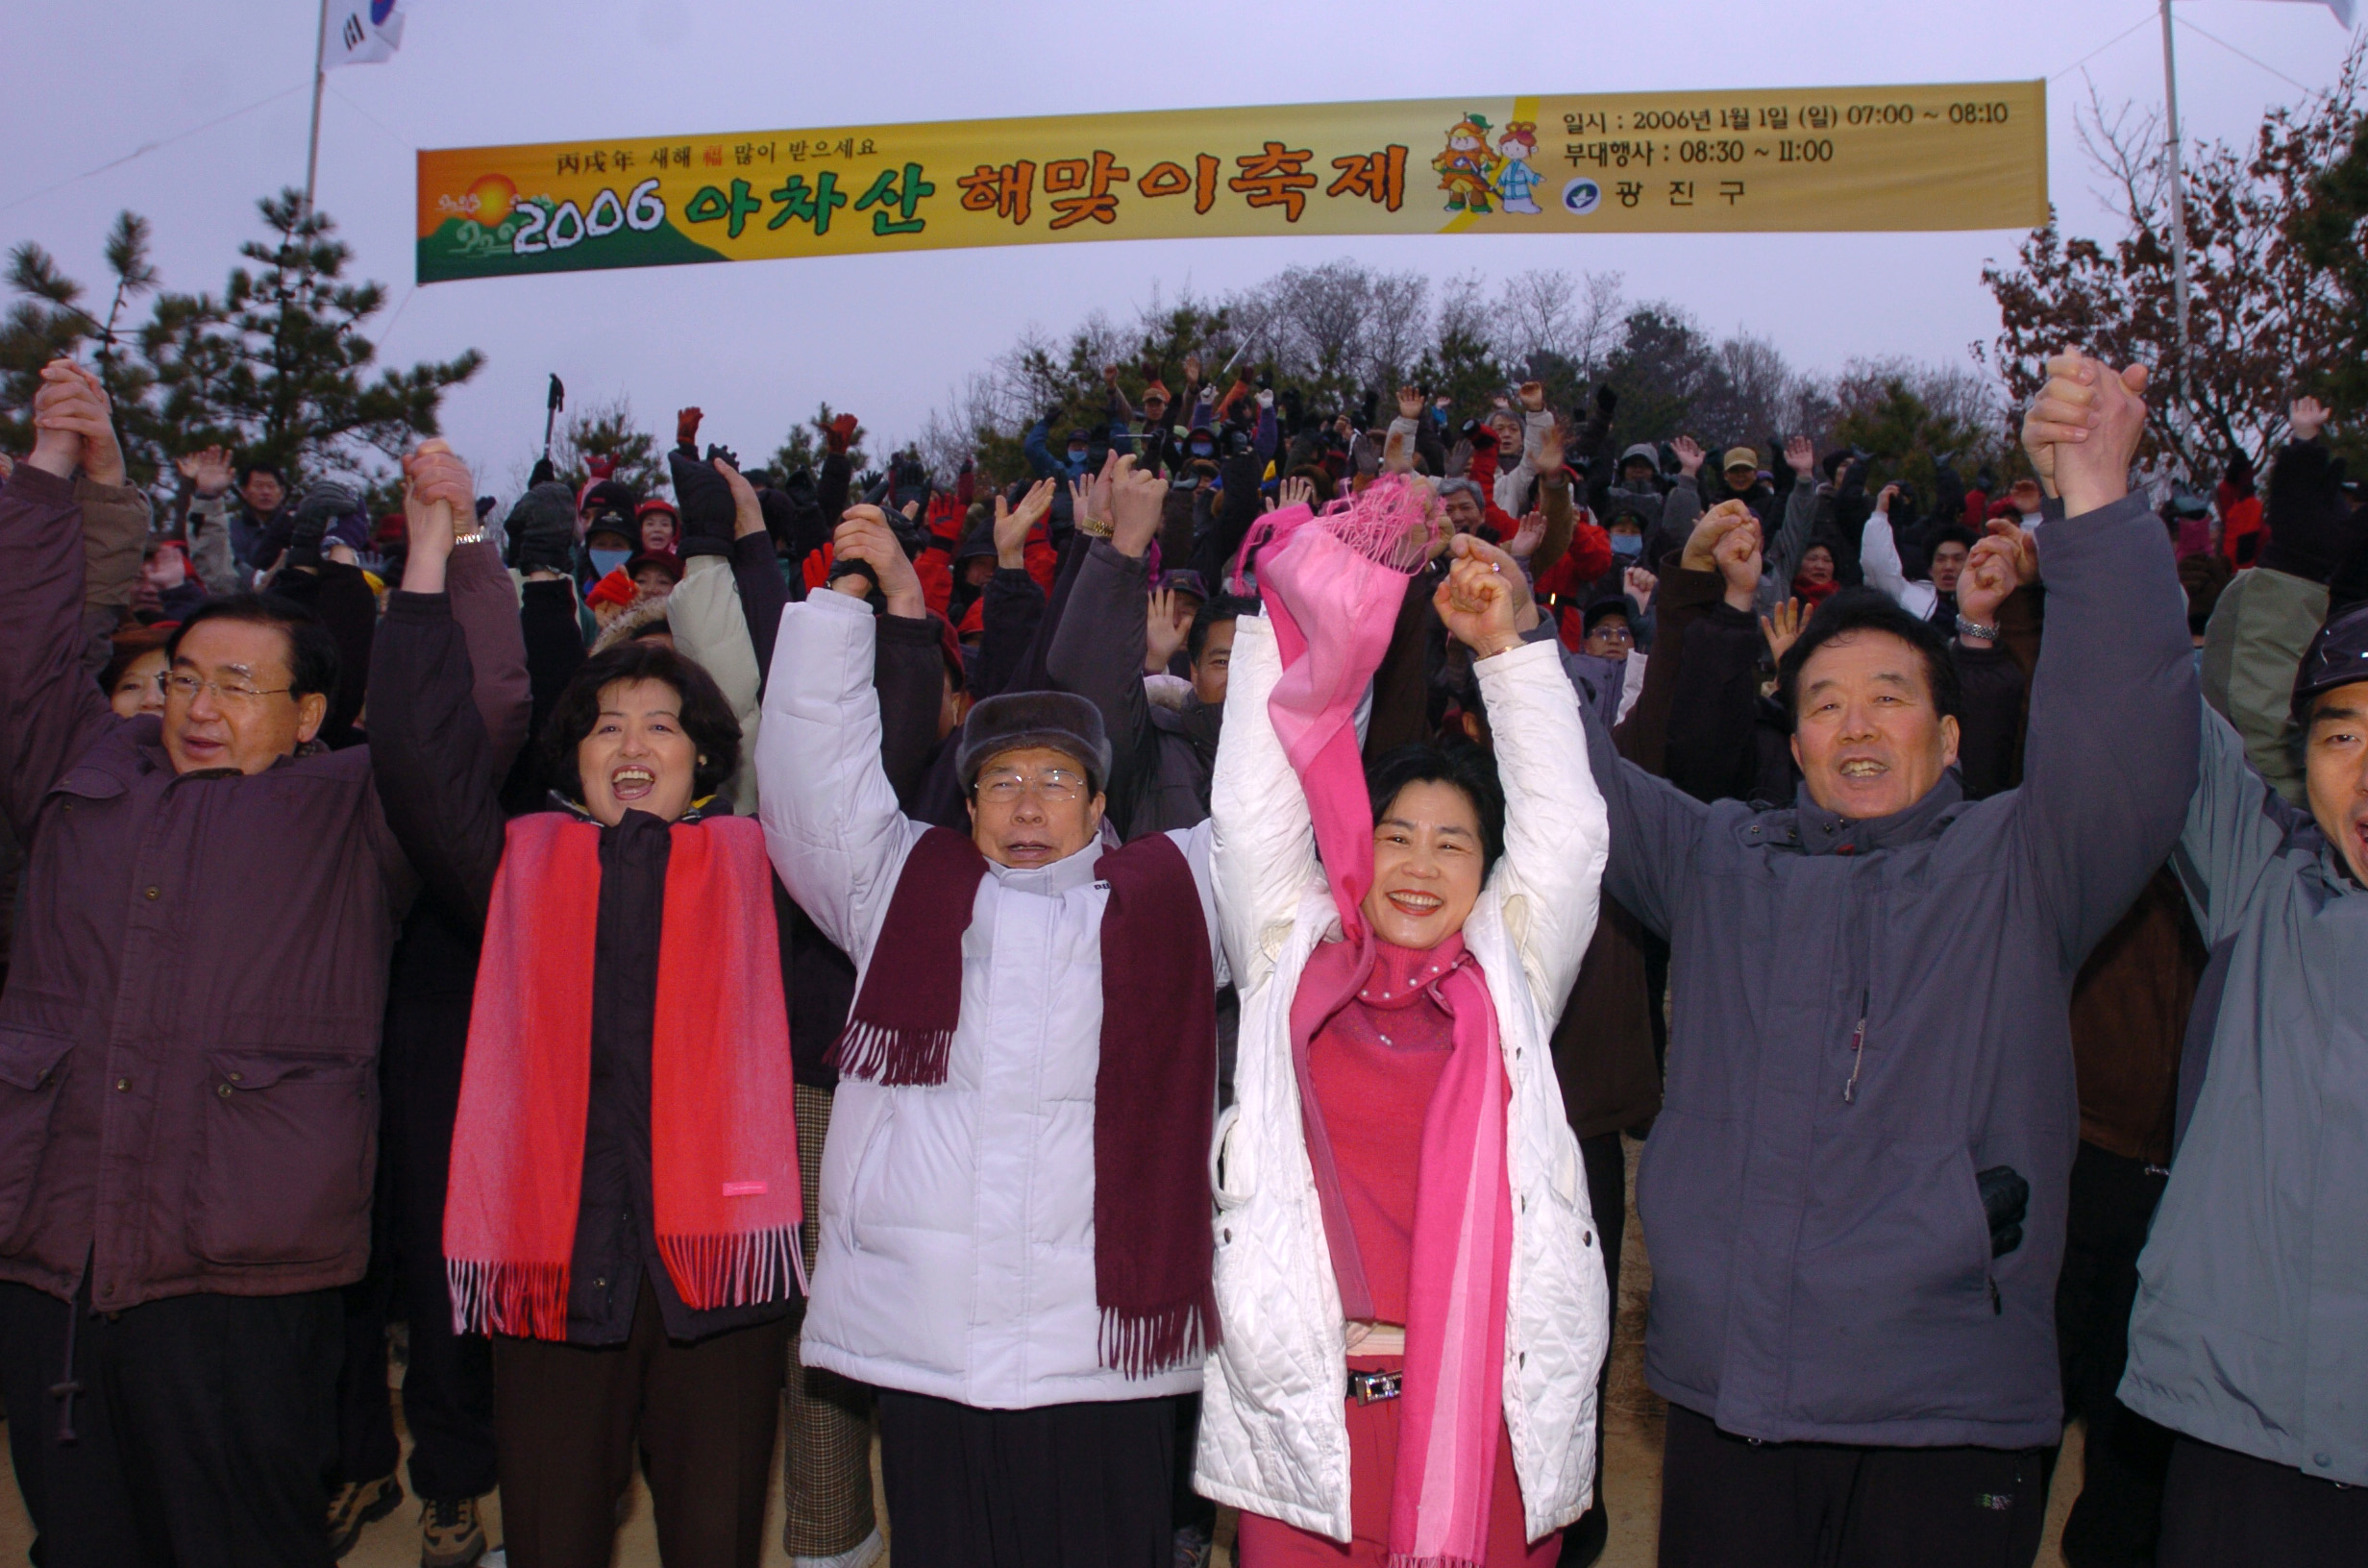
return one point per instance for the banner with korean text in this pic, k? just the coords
(1961, 155)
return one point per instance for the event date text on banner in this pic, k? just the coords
(1954, 156)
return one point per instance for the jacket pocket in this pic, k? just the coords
(287, 1150)
(1232, 1174)
(868, 1207)
(31, 1066)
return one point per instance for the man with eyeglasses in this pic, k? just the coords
(189, 1039)
(1014, 1205)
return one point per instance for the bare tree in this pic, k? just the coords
(1549, 311)
(2264, 318)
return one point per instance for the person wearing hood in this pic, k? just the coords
(2251, 1306)
(1015, 1207)
(1856, 1182)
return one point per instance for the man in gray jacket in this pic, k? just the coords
(1856, 1190)
(2250, 1338)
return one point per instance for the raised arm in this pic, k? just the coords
(1557, 831)
(50, 709)
(1099, 651)
(2110, 755)
(831, 823)
(485, 603)
(208, 523)
(429, 754)
(1263, 847)
(1791, 541)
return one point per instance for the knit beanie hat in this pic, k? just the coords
(1016, 720)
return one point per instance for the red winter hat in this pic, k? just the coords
(656, 503)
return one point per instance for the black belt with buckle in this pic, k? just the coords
(1373, 1387)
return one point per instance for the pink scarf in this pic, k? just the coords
(722, 1134)
(1332, 590)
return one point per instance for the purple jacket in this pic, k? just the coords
(190, 1036)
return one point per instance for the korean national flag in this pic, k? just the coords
(362, 32)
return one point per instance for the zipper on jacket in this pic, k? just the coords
(1858, 1052)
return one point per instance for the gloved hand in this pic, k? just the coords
(542, 529)
(840, 431)
(706, 498)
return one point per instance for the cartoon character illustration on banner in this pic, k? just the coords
(1514, 178)
(1464, 166)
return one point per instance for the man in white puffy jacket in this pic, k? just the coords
(1015, 1200)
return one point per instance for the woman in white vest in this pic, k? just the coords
(1408, 1366)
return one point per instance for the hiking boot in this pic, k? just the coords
(357, 1506)
(451, 1533)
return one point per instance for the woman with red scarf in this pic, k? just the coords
(1406, 1267)
(624, 1204)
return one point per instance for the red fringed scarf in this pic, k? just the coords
(723, 1125)
(1155, 1094)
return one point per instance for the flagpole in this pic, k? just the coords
(320, 76)
(2179, 196)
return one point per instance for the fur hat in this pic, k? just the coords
(1015, 721)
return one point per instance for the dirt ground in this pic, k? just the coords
(1632, 1464)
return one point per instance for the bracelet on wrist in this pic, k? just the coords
(1975, 629)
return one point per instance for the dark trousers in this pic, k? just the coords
(2115, 1519)
(2226, 1509)
(200, 1434)
(569, 1418)
(1607, 1196)
(366, 1444)
(448, 1382)
(1086, 1485)
(1726, 1501)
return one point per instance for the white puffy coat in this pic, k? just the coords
(956, 1255)
(1273, 1428)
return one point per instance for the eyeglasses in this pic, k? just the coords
(1052, 784)
(181, 684)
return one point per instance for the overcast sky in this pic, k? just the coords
(758, 343)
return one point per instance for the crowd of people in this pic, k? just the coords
(1125, 986)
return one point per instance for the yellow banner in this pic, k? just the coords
(1961, 155)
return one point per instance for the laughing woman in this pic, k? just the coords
(1406, 1266)
(623, 1207)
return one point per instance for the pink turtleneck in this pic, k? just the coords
(1373, 1065)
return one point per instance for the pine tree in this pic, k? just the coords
(277, 364)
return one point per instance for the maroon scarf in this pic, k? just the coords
(1155, 1094)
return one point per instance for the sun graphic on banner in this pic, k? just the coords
(490, 199)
